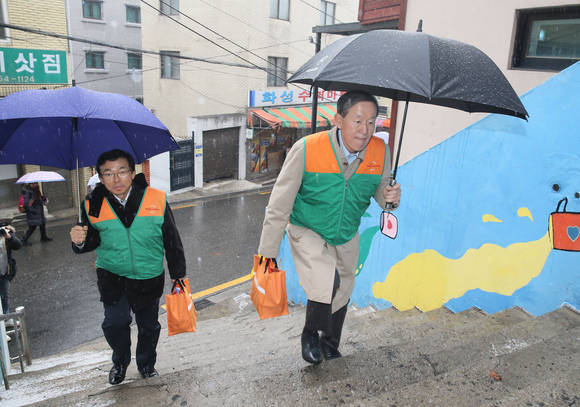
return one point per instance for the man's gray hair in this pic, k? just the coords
(351, 98)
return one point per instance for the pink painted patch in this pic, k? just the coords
(389, 224)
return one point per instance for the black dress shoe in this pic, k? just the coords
(148, 372)
(329, 350)
(311, 347)
(46, 239)
(117, 374)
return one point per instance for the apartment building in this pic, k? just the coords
(102, 68)
(215, 54)
(32, 61)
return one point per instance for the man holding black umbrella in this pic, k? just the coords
(131, 227)
(323, 190)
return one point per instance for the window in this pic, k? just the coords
(327, 10)
(133, 14)
(277, 71)
(280, 9)
(92, 9)
(3, 19)
(95, 60)
(170, 64)
(169, 7)
(134, 61)
(547, 38)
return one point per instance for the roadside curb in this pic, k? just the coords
(215, 197)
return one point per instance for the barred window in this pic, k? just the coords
(170, 64)
(277, 70)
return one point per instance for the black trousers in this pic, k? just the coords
(117, 330)
(32, 228)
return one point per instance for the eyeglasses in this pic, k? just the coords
(120, 174)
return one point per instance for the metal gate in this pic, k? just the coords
(181, 166)
(220, 153)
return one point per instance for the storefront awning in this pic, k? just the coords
(295, 117)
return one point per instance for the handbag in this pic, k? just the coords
(268, 292)
(564, 228)
(181, 315)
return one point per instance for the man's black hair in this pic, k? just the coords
(351, 98)
(114, 155)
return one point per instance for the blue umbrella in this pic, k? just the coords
(69, 128)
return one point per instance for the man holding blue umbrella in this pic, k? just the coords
(131, 227)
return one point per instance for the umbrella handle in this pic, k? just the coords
(391, 205)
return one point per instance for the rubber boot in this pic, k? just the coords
(329, 343)
(318, 318)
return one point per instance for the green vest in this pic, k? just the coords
(135, 252)
(328, 204)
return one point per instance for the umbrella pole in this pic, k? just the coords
(75, 136)
(79, 191)
(389, 205)
(401, 138)
(314, 90)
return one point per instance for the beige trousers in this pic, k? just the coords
(316, 261)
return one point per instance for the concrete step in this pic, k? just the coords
(236, 359)
(374, 372)
(521, 370)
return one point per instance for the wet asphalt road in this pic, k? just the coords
(59, 290)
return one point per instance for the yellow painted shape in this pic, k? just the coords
(428, 280)
(525, 212)
(220, 287)
(183, 206)
(490, 218)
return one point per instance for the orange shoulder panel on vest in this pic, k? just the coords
(153, 203)
(320, 156)
(374, 158)
(105, 214)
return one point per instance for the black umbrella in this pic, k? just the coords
(416, 67)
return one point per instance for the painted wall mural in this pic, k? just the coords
(480, 223)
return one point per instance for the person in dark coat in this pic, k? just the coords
(34, 203)
(131, 227)
(8, 242)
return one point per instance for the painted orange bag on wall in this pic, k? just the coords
(268, 293)
(565, 229)
(181, 315)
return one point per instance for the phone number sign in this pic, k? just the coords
(32, 66)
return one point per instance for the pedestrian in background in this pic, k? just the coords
(131, 227)
(323, 190)
(34, 203)
(8, 242)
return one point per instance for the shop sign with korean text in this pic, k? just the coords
(280, 97)
(19, 65)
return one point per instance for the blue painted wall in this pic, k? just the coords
(474, 216)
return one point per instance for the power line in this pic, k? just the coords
(129, 49)
(197, 33)
(249, 25)
(322, 11)
(214, 32)
(215, 43)
(143, 51)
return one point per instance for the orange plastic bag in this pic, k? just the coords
(268, 293)
(564, 229)
(181, 315)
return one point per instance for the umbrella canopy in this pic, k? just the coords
(69, 128)
(40, 176)
(413, 66)
(57, 127)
